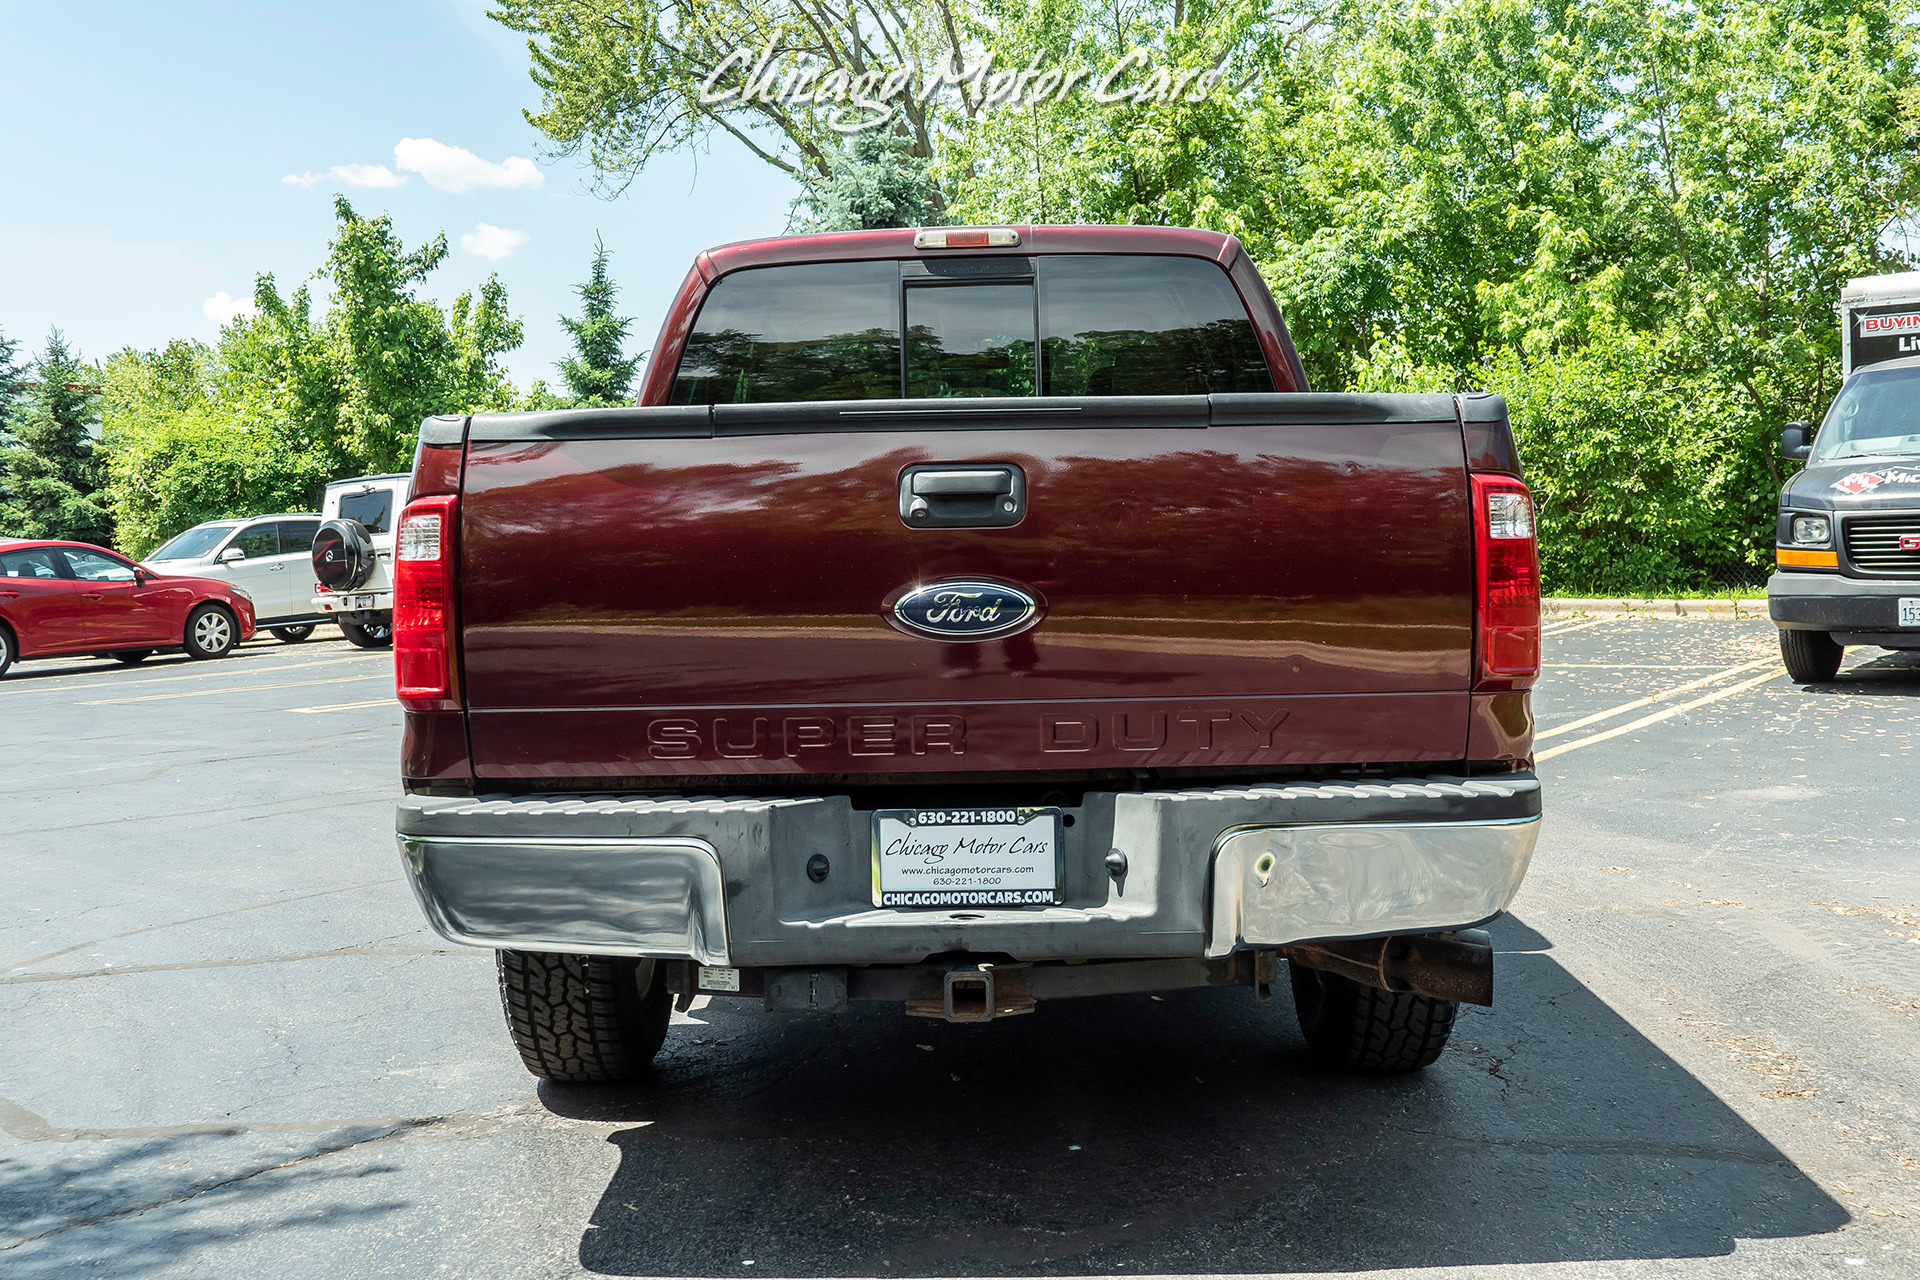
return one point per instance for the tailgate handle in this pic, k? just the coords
(963, 496)
(991, 481)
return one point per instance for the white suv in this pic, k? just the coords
(352, 556)
(268, 557)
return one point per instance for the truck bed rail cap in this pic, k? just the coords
(658, 422)
(1237, 409)
(1054, 413)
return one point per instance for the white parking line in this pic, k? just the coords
(342, 706)
(1656, 717)
(247, 688)
(1652, 698)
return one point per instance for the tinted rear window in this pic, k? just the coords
(370, 509)
(970, 340)
(824, 331)
(1107, 324)
(1143, 326)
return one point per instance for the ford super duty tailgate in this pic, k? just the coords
(1234, 580)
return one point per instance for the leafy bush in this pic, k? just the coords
(285, 403)
(1641, 470)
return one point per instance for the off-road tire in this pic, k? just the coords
(293, 634)
(1812, 657)
(378, 636)
(1367, 1030)
(131, 656)
(205, 638)
(583, 1019)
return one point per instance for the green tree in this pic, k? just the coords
(598, 373)
(621, 81)
(53, 474)
(288, 400)
(13, 373)
(874, 181)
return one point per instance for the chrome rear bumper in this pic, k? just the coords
(723, 881)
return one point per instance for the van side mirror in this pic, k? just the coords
(230, 555)
(1796, 442)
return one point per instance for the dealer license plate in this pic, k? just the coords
(966, 857)
(363, 602)
(1910, 611)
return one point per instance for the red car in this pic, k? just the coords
(64, 598)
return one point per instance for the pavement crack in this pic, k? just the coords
(212, 915)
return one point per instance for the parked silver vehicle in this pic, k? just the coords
(268, 557)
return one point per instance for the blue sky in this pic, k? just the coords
(148, 144)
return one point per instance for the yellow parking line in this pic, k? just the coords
(1652, 698)
(1656, 717)
(247, 688)
(1562, 628)
(342, 706)
(203, 675)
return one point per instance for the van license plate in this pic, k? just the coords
(1910, 611)
(966, 857)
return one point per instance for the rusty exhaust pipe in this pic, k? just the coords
(1444, 966)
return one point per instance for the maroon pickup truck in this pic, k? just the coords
(968, 618)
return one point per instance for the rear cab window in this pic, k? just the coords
(1051, 325)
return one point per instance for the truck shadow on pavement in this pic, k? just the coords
(1190, 1135)
(1894, 673)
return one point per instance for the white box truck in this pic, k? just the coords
(1879, 320)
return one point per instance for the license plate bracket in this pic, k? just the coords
(1006, 857)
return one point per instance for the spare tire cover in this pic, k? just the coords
(343, 555)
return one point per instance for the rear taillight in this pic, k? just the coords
(423, 619)
(1507, 565)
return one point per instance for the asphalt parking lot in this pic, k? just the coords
(232, 1049)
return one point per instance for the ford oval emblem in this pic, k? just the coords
(966, 610)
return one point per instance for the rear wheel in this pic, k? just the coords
(293, 635)
(584, 1019)
(211, 632)
(1364, 1029)
(6, 649)
(369, 635)
(1812, 657)
(132, 656)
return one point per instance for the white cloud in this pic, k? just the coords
(489, 241)
(457, 170)
(354, 175)
(222, 308)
